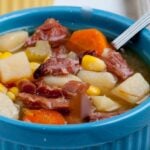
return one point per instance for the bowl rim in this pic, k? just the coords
(83, 126)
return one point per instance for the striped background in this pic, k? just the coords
(11, 5)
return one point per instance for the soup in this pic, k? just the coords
(58, 77)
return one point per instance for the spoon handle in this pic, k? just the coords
(131, 31)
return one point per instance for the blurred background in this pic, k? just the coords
(131, 8)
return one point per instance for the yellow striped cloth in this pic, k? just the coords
(11, 5)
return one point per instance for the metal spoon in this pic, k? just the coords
(124, 37)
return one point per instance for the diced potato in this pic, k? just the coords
(104, 80)
(7, 107)
(103, 103)
(60, 80)
(40, 52)
(92, 63)
(133, 89)
(13, 41)
(14, 68)
(143, 99)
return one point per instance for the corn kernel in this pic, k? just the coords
(34, 66)
(93, 63)
(3, 89)
(93, 91)
(14, 90)
(5, 55)
(11, 95)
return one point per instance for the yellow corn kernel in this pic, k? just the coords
(93, 63)
(14, 90)
(11, 95)
(5, 55)
(34, 66)
(93, 91)
(3, 89)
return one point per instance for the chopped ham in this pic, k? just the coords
(116, 64)
(73, 88)
(57, 66)
(51, 31)
(47, 91)
(40, 88)
(37, 102)
(27, 86)
(60, 52)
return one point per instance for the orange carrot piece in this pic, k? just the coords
(87, 39)
(43, 116)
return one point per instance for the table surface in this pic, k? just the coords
(130, 8)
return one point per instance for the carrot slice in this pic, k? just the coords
(87, 39)
(43, 116)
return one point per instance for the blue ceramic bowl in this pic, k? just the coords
(128, 131)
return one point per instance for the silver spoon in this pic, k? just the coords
(124, 37)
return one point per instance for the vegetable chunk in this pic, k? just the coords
(103, 80)
(13, 41)
(60, 81)
(87, 39)
(14, 68)
(92, 63)
(43, 116)
(133, 89)
(39, 52)
(7, 107)
(103, 103)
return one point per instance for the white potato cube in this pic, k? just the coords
(15, 67)
(103, 103)
(7, 107)
(13, 41)
(133, 89)
(104, 80)
(60, 80)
